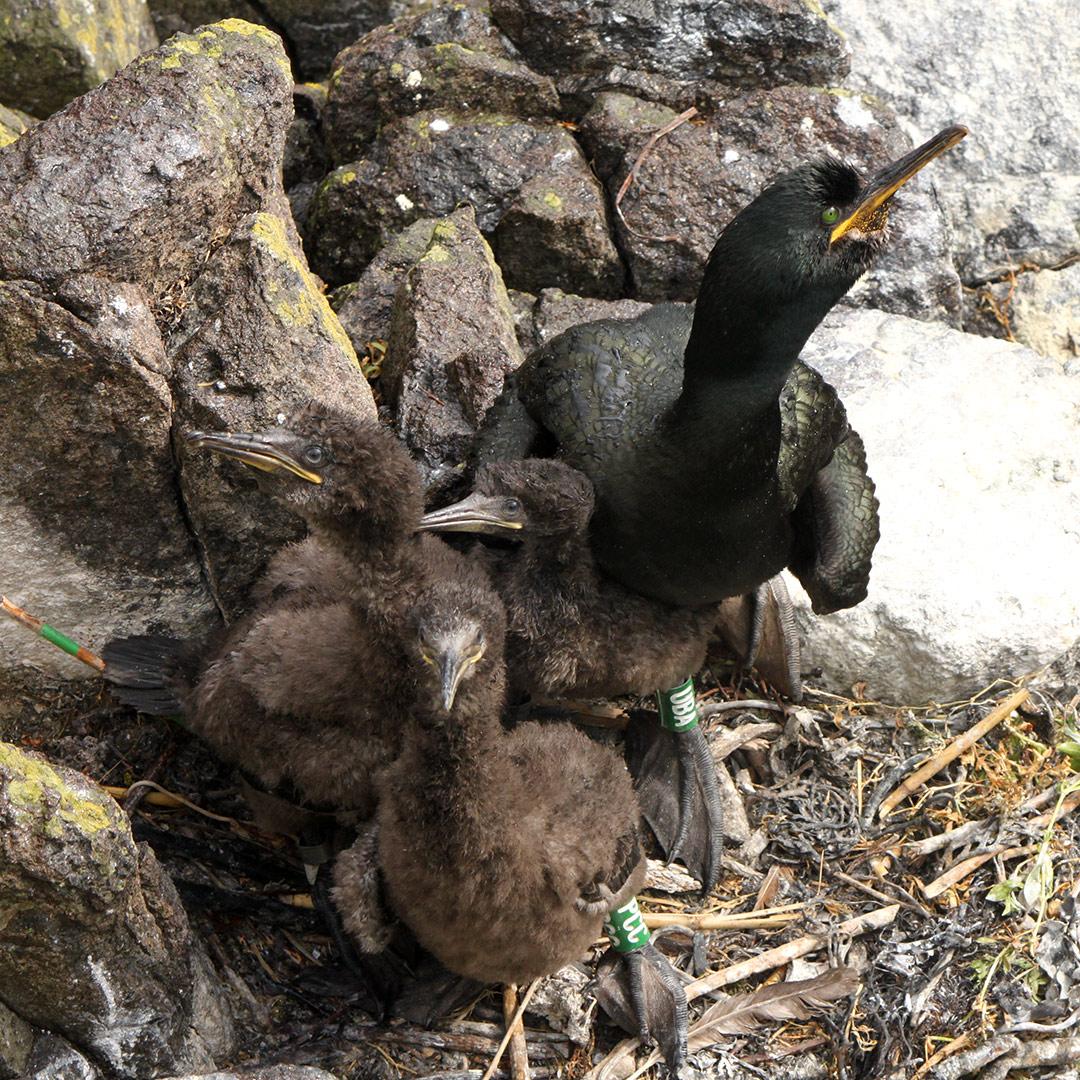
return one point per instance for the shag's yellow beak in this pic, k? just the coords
(268, 452)
(870, 211)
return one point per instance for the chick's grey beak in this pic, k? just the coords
(452, 666)
(267, 451)
(476, 514)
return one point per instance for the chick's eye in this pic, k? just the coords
(830, 216)
(513, 505)
(313, 455)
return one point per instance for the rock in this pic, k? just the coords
(16, 1042)
(12, 124)
(183, 16)
(563, 999)
(264, 1072)
(89, 511)
(522, 305)
(54, 1058)
(365, 306)
(703, 173)
(754, 43)
(427, 164)
(973, 446)
(1041, 308)
(446, 58)
(306, 158)
(1009, 200)
(96, 946)
(451, 346)
(174, 151)
(257, 339)
(54, 50)
(558, 311)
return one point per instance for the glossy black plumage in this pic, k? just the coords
(681, 428)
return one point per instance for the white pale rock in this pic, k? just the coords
(974, 445)
(1012, 188)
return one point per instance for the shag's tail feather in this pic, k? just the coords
(147, 673)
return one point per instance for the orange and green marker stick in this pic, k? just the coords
(50, 633)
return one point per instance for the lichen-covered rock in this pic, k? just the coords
(54, 50)
(702, 173)
(446, 58)
(1010, 200)
(451, 346)
(138, 179)
(365, 306)
(544, 237)
(746, 42)
(13, 123)
(427, 164)
(89, 512)
(16, 1042)
(183, 16)
(979, 503)
(96, 946)
(257, 340)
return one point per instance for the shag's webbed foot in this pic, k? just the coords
(644, 995)
(760, 628)
(678, 793)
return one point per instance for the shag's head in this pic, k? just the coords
(328, 467)
(818, 227)
(512, 499)
(459, 628)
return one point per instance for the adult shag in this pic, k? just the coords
(713, 468)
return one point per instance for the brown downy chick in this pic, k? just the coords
(312, 687)
(571, 631)
(575, 632)
(501, 850)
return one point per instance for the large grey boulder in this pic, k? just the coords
(426, 165)
(746, 42)
(452, 343)
(53, 50)
(1012, 189)
(702, 173)
(96, 945)
(974, 445)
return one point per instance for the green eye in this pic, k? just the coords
(830, 216)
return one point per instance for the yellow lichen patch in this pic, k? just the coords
(445, 230)
(302, 304)
(171, 62)
(436, 253)
(240, 26)
(346, 176)
(31, 779)
(552, 200)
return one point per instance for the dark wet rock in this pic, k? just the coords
(451, 345)
(578, 89)
(556, 230)
(305, 149)
(54, 1058)
(703, 172)
(54, 50)
(557, 311)
(89, 510)
(256, 340)
(140, 178)
(447, 58)
(427, 164)
(755, 43)
(16, 1042)
(13, 123)
(1010, 200)
(96, 946)
(365, 306)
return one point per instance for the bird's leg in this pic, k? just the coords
(679, 714)
(656, 995)
(774, 593)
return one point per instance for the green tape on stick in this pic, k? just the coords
(626, 929)
(61, 641)
(678, 707)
